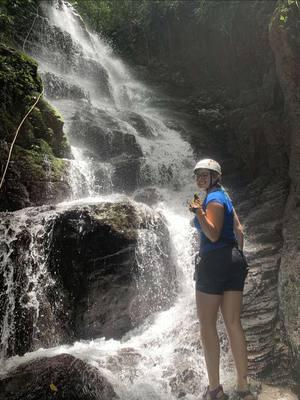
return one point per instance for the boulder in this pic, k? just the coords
(62, 377)
(96, 270)
(104, 143)
(99, 134)
(142, 124)
(58, 88)
(127, 174)
(101, 256)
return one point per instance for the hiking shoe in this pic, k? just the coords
(217, 394)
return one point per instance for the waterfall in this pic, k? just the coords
(24, 247)
(110, 117)
(121, 142)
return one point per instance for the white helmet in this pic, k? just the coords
(207, 163)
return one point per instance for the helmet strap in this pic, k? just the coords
(211, 183)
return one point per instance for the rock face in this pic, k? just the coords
(97, 270)
(286, 46)
(62, 377)
(258, 209)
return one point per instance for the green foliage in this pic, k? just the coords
(288, 8)
(15, 18)
(110, 15)
(127, 21)
(115, 16)
(152, 25)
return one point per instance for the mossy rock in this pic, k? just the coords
(39, 163)
(20, 86)
(19, 81)
(36, 174)
(34, 177)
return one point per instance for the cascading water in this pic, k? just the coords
(108, 114)
(24, 237)
(121, 143)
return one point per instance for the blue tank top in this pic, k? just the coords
(227, 236)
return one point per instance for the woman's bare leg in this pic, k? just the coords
(231, 307)
(207, 309)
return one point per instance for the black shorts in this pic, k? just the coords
(221, 270)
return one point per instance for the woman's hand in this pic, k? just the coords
(195, 205)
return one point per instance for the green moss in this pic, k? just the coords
(121, 216)
(51, 116)
(39, 163)
(30, 163)
(20, 85)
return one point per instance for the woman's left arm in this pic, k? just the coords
(212, 220)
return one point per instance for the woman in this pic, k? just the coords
(220, 276)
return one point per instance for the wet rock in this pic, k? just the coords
(30, 315)
(148, 195)
(126, 176)
(140, 123)
(85, 278)
(95, 256)
(34, 177)
(62, 377)
(99, 133)
(106, 144)
(56, 87)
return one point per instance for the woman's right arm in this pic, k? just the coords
(238, 230)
